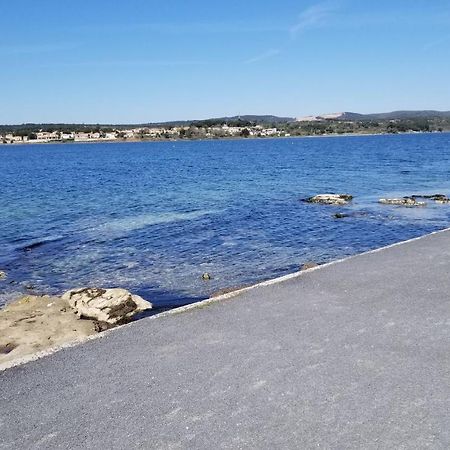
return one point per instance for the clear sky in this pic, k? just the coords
(111, 61)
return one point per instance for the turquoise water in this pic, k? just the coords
(152, 217)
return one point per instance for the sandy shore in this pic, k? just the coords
(33, 324)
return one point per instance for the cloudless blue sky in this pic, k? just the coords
(112, 61)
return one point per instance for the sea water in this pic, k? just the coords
(152, 217)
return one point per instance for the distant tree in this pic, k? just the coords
(192, 132)
(245, 132)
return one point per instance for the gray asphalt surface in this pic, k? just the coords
(353, 355)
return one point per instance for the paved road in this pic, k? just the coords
(353, 355)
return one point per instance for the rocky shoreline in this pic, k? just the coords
(37, 323)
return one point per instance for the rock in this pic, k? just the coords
(7, 348)
(308, 265)
(330, 199)
(228, 290)
(206, 276)
(404, 201)
(112, 306)
(340, 215)
(438, 198)
(101, 326)
(2, 275)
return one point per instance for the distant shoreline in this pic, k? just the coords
(231, 138)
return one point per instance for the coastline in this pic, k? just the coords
(205, 303)
(231, 138)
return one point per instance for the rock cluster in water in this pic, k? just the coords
(330, 199)
(413, 201)
(437, 198)
(404, 201)
(407, 201)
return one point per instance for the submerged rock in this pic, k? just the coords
(404, 201)
(206, 276)
(308, 265)
(340, 215)
(438, 198)
(330, 199)
(228, 290)
(112, 306)
(354, 214)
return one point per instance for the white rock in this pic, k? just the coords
(330, 199)
(112, 306)
(404, 201)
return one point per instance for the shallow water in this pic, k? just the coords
(152, 217)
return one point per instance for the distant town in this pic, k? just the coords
(233, 127)
(142, 133)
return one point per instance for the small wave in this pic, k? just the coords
(126, 224)
(31, 245)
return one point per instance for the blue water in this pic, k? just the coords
(152, 217)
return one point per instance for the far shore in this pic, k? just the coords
(231, 138)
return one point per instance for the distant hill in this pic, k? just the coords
(409, 115)
(256, 119)
(394, 115)
(333, 116)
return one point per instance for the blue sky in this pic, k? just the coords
(111, 61)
